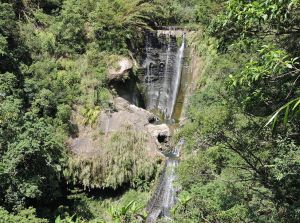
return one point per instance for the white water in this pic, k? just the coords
(176, 80)
(168, 198)
(164, 93)
(165, 196)
(163, 84)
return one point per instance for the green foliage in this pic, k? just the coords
(272, 73)
(206, 10)
(67, 220)
(220, 191)
(127, 213)
(32, 164)
(252, 14)
(256, 18)
(54, 55)
(111, 25)
(103, 208)
(234, 168)
(272, 63)
(121, 161)
(24, 216)
(290, 107)
(91, 115)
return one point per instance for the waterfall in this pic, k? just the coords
(164, 94)
(177, 78)
(168, 198)
(165, 196)
(163, 65)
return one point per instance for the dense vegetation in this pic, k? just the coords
(241, 160)
(53, 56)
(242, 146)
(120, 162)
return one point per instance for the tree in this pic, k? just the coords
(31, 166)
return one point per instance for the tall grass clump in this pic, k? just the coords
(123, 159)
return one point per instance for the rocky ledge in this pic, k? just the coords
(121, 70)
(124, 116)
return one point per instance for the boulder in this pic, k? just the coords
(83, 141)
(160, 132)
(124, 116)
(121, 72)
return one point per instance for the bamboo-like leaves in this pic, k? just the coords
(287, 112)
(124, 213)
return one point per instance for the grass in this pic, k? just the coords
(123, 159)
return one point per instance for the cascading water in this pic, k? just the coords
(162, 69)
(177, 78)
(165, 194)
(163, 65)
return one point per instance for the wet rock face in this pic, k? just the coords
(160, 68)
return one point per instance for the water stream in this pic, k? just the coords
(176, 80)
(163, 66)
(165, 194)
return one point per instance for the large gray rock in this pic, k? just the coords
(84, 141)
(124, 116)
(121, 72)
(130, 116)
(160, 132)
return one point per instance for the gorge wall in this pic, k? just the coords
(159, 86)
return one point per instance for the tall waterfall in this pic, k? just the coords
(163, 67)
(177, 78)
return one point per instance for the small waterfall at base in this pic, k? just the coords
(165, 194)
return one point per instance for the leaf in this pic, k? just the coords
(280, 176)
(265, 17)
(286, 115)
(125, 209)
(294, 59)
(274, 117)
(58, 219)
(274, 122)
(297, 103)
